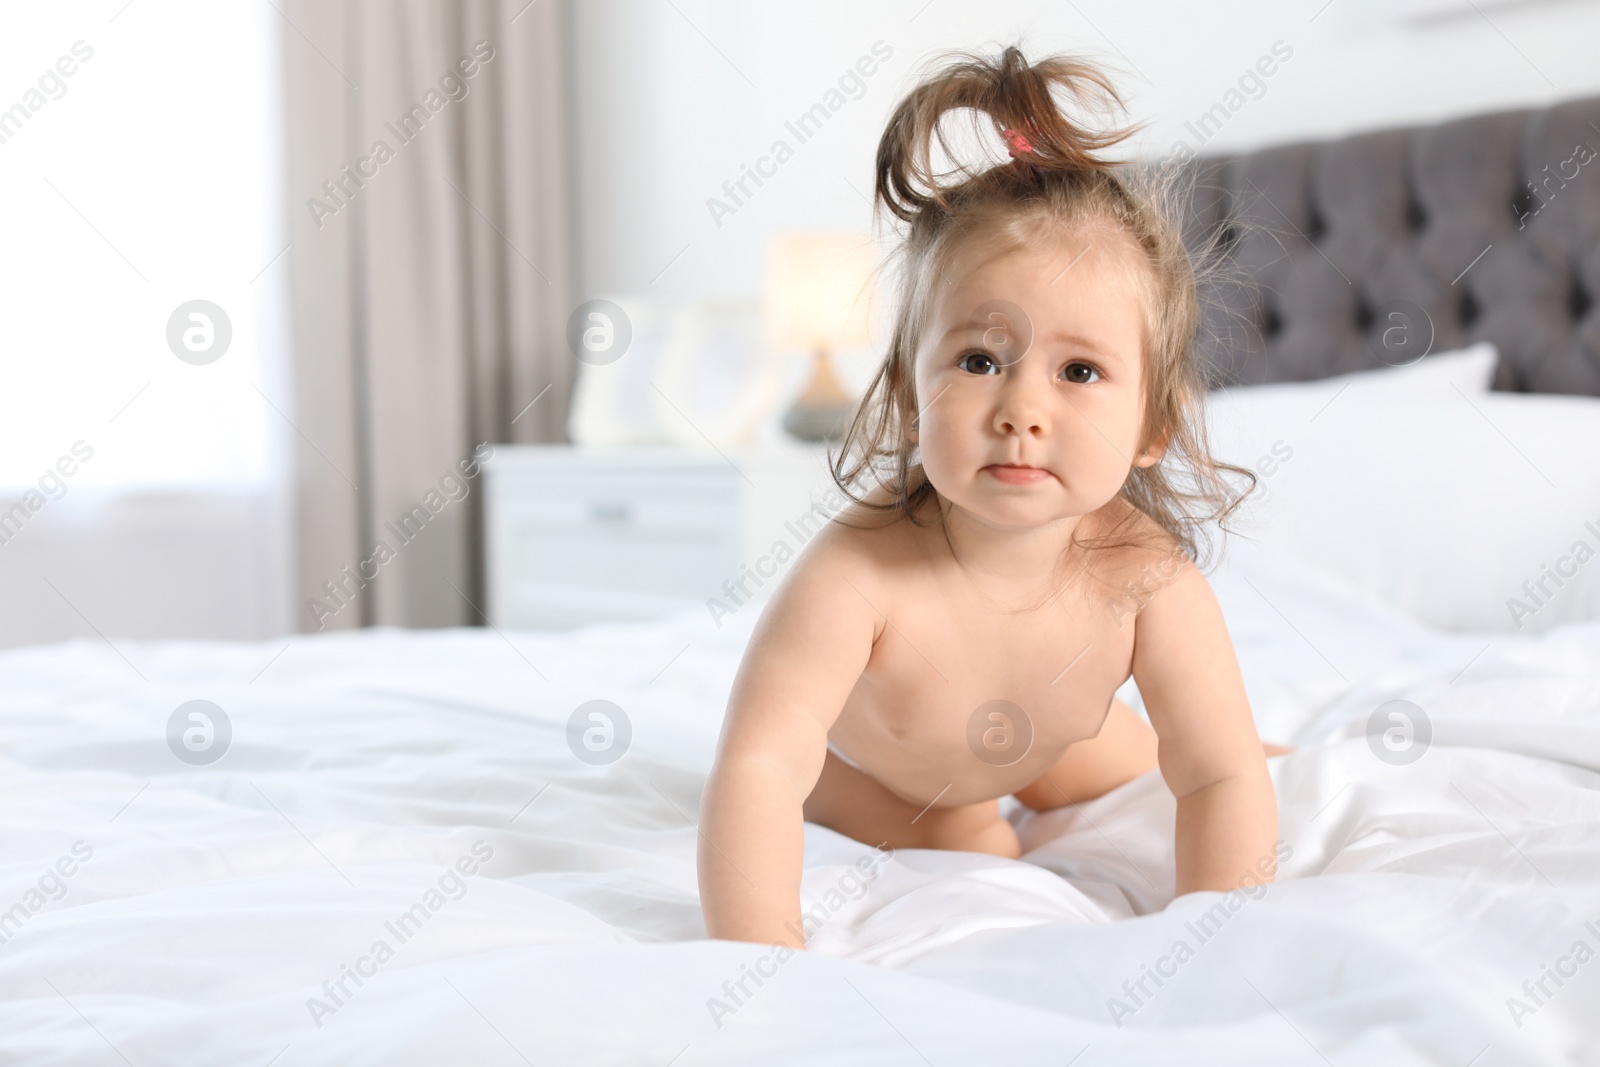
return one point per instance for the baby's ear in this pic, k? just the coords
(1153, 451)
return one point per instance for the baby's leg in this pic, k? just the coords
(1124, 749)
(857, 805)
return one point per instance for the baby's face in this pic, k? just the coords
(1029, 381)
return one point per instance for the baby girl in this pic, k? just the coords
(1030, 481)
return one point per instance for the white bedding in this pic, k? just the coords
(218, 899)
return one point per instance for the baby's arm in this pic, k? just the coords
(1209, 753)
(807, 651)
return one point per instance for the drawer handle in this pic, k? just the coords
(610, 511)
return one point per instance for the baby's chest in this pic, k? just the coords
(936, 675)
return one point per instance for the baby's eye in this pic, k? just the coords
(1081, 373)
(978, 363)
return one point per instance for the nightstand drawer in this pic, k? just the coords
(604, 537)
(576, 536)
(653, 546)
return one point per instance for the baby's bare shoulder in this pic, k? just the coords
(839, 583)
(867, 543)
(1142, 551)
(875, 526)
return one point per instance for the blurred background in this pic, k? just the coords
(283, 283)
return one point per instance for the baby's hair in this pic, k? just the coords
(1054, 186)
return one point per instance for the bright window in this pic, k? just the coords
(141, 165)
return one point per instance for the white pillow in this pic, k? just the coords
(1469, 369)
(1257, 423)
(1468, 510)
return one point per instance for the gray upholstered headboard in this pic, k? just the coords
(1443, 216)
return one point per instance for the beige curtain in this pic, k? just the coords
(427, 174)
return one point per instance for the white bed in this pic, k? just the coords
(1414, 903)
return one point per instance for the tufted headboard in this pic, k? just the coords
(1338, 234)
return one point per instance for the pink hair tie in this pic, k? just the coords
(1016, 142)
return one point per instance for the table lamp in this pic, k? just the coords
(815, 300)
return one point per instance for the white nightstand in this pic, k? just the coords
(579, 535)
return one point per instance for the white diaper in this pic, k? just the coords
(846, 760)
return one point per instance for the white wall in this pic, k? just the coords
(664, 119)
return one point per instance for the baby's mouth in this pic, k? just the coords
(1016, 473)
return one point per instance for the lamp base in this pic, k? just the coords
(820, 411)
(815, 424)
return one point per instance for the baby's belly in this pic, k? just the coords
(993, 751)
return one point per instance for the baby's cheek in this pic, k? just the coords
(941, 454)
(1095, 472)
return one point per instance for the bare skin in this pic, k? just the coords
(902, 643)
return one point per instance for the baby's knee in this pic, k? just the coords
(999, 838)
(977, 831)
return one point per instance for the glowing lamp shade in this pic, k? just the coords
(815, 300)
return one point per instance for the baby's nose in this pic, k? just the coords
(1022, 410)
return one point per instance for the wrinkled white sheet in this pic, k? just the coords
(218, 900)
